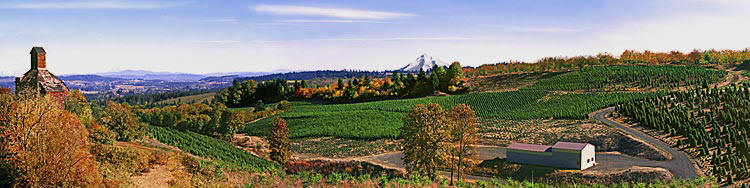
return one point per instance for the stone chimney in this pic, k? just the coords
(38, 58)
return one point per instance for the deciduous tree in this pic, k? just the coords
(463, 134)
(424, 144)
(45, 145)
(122, 121)
(279, 142)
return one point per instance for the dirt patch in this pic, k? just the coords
(502, 169)
(252, 144)
(341, 148)
(158, 176)
(633, 174)
(351, 167)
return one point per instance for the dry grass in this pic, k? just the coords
(148, 164)
(549, 175)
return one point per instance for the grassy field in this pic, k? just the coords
(208, 147)
(382, 119)
(189, 99)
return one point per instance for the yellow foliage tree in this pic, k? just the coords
(425, 140)
(46, 145)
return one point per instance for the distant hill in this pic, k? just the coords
(150, 75)
(241, 74)
(307, 75)
(89, 77)
(227, 78)
(176, 76)
(8, 82)
(424, 62)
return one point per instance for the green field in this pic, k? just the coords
(382, 119)
(622, 78)
(548, 98)
(208, 147)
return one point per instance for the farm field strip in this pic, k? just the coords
(382, 119)
(622, 78)
(205, 146)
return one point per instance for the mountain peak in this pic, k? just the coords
(424, 62)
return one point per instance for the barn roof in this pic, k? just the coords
(528, 147)
(46, 80)
(38, 50)
(570, 145)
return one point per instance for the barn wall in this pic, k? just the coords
(569, 159)
(529, 157)
(588, 157)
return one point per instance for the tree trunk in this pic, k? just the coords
(460, 157)
(453, 154)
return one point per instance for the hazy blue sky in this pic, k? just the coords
(201, 36)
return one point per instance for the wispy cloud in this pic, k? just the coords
(327, 21)
(103, 4)
(221, 20)
(543, 29)
(220, 42)
(401, 39)
(327, 12)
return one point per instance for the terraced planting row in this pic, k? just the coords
(382, 119)
(208, 147)
(620, 78)
(713, 122)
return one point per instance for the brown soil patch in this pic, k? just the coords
(253, 145)
(159, 176)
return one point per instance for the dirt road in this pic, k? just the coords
(680, 164)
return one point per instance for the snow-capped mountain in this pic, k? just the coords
(424, 62)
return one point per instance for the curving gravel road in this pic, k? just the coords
(680, 164)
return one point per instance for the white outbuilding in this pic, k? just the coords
(568, 155)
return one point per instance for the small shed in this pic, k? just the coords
(39, 80)
(568, 155)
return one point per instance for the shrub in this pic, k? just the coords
(284, 105)
(101, 135)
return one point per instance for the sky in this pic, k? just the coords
(208, 36)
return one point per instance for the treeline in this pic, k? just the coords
(251, 93)
(397, 86)
(714, 122)
(307, 75)
(213, 120)
(149, 99)
(628, 57)
(365, 88)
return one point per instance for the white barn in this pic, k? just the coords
(568, 155)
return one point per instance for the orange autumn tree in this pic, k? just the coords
(44, 145)
(463, 128)
(280, 141)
